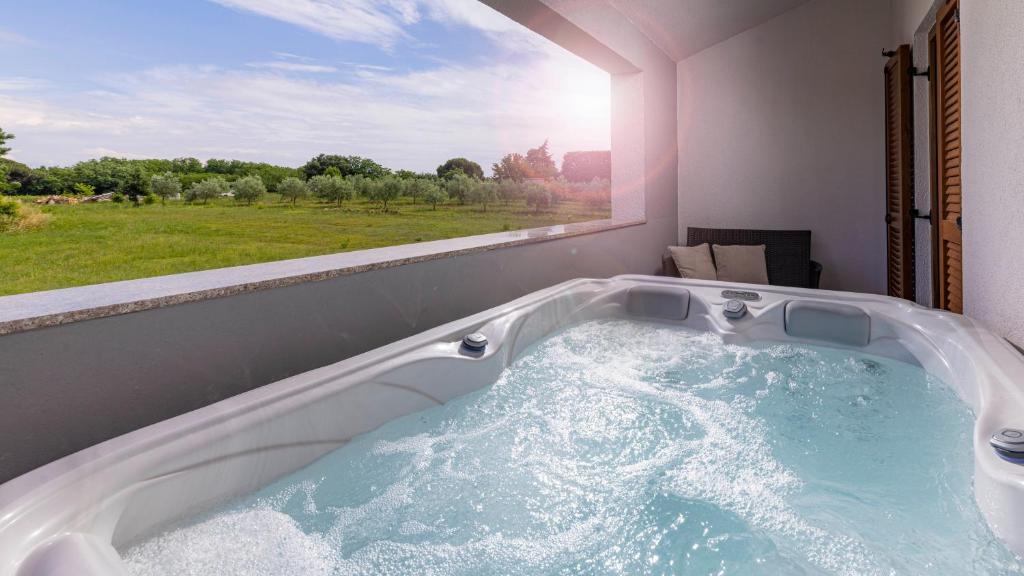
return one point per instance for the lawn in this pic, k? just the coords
(92, 243)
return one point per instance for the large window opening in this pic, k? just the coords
(143, 140)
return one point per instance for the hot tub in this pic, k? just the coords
(80, 514)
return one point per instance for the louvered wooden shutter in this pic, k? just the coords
(899, 187)
(949, 194)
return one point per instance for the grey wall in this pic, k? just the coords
(992, 63)
(68, 387)
(781, 127)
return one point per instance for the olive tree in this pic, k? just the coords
(538, 197)
(248, 189)
(416, 187)
(458, 186)
(366, 187)
(388, 189)
(206, 189)
(509, 191)
(292, 188)
(331, 188)
(483, 192)
(165, 185)
(433, 194)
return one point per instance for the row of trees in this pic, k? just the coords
(332, 187)
(537, 163)
(532, 176)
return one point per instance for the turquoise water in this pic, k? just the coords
(619, 447)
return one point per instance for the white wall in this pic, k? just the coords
(992, 62)
(781, 127)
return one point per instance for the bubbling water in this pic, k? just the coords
(620, 447)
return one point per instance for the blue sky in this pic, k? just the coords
(406, 82)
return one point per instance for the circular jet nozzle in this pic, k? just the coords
(475, 341)
(1009, 443)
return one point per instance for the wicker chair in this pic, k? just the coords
(787, 253)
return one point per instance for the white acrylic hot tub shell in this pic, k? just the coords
(66, 518)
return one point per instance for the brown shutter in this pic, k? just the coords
(946, 112)
(899, 178)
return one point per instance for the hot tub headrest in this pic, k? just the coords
(665, 302)
(828, 322)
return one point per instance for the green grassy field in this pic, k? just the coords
(92, 243)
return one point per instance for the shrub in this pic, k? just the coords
(84, 189)
(433, 195)
(10, 209)
(538, 197)
(249, 189)
(206, 189)
(165, 185)
(118, 197)
(292, 188)
(16, 216)
(149, 198)
(331, 188)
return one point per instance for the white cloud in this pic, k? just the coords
(368, 21)
(410, 120)
(19, 83)
(260, 111)
(290, 56)
(8, 37)
(382, 22)
(293, 67)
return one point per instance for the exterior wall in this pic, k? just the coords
(906, 19)
(67, 387)
(781, 127)
(992, 61)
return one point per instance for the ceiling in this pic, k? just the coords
(682, 28)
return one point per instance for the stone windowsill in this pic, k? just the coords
(23, 312)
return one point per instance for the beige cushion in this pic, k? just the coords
(693, 262)
(744, 264)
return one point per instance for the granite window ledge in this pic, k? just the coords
(22, 312)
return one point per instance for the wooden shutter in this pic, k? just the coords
(949, 194)
(899, 177)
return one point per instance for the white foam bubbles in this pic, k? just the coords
(613, 447)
